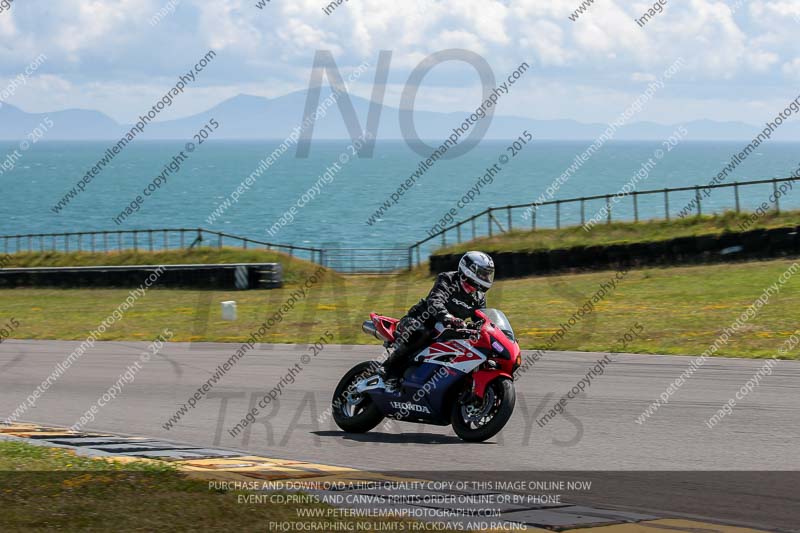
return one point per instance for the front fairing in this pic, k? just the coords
(497, 335)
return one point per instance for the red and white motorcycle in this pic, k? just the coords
(464, 378)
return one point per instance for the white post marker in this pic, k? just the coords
(229, 310)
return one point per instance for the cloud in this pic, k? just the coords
(792, 68)
(643, 77)
(733, 49)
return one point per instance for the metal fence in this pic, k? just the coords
(367, 260)
(495, 220)
(348, 260)
(146, 240)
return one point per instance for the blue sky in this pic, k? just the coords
(742, 59)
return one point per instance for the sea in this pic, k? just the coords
(309, 201)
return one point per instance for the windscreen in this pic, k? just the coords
(500, 320)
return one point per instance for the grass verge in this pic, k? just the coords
(681, 310)
(53, 489)
(621, 233)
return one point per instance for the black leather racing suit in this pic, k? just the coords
(414, 330)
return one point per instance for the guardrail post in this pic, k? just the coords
(489, 218)
(105, 241)
(444, 239)
(533, 220)
(509, 219)
(635, 206)
(41, 243)
(29, 243)
(608, 209)
(135, 241)
(219, 242)
(473, 229)
(66, 242)
(775, 192)
(666, 203)
(92, 242)
(19, 248)
(736, 193)
(5, 245)
(410, 257)
(166, 240)
(583, 211)
(697, 197)
(458, 232)
(558, 214)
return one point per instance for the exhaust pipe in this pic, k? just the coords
(369, 328)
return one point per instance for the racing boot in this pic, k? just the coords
(392, 369)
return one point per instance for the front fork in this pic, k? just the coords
(481, 380)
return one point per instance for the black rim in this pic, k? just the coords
(478, 413)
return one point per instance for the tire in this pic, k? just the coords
(505, 399)
(367, 415)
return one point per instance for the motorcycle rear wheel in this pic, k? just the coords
(352, 412)
(480, 421)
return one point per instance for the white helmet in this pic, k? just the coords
(477, 269)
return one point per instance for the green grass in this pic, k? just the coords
(682, 310)
(295, 270)
(16, 456)
(621, 233)
(53, 489)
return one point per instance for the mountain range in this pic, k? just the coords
(246, 117)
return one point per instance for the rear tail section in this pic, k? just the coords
(380, 327)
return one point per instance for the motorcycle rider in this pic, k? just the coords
(454, 296)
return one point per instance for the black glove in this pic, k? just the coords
(453, 322)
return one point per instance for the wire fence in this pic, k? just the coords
(349, 260)
(667, 203)
(146, 240)
(367, 260)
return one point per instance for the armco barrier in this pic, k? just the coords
(726, 247)
(239, 276)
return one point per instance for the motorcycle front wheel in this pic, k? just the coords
(354, 412)
(478, 419)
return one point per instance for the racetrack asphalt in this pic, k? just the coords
(597, 433)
